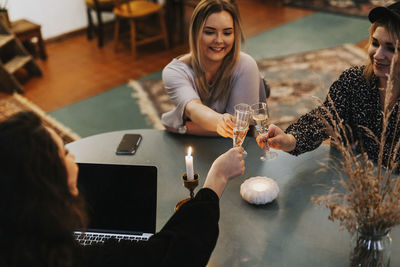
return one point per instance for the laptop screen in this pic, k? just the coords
(120, 198)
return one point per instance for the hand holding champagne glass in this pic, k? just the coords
(241, 126)
(260, 115)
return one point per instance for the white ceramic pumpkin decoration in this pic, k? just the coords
(259, 190)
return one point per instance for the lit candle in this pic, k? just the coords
(259, 190)
(259, 186)
(189, 164)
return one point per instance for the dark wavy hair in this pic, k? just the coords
(38, 212)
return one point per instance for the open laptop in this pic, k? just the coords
(121, 200)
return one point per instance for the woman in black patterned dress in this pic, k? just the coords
(357, 96)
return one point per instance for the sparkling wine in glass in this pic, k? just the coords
(241, 126)
(238, 136)
(260, 115)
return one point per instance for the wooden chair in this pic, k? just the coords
(134, 11)
(176, 18)
(98, 6)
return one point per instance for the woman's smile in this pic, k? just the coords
(381, 66)
(217, 49)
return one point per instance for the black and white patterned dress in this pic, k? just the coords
(358, 104)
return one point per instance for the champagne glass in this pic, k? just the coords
(260, 115)
(241, 126)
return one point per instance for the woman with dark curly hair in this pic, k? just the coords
(40, 206)
(38, 203)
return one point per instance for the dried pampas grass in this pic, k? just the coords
(371, 198)
(370, 203)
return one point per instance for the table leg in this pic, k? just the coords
(42, 49)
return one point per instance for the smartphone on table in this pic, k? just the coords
(129, 144)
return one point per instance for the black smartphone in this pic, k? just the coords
(129, 144)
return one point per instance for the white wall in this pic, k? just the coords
(55, 16)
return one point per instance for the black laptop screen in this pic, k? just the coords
(120, 198)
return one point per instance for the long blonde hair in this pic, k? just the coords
(393, 28)
(221, 82)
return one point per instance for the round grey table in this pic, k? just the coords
(291, 231)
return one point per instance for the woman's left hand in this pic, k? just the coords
(225, 125)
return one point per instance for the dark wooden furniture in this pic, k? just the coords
(14, 58)
(99, 7)
(26, 30)
(175, 15)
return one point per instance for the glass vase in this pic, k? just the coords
(370, 250)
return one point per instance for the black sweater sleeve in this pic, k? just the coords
(187, 239)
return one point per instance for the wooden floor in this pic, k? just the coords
(77, 69)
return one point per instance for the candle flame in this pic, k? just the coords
(259, 186)
(189, 151)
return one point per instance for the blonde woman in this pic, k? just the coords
(208, 82)
(357, 95)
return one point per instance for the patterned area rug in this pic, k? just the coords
(349, 7)
(11, 104)
(294, 81)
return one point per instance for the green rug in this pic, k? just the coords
(113, 110)
(314, 32)
(348, 7)
(120, 108)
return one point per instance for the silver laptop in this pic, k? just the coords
(121, 200)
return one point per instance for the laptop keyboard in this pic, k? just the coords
(88, 238)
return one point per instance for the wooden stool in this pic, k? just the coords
(26, 30)
(13, 58)
(133, 11)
